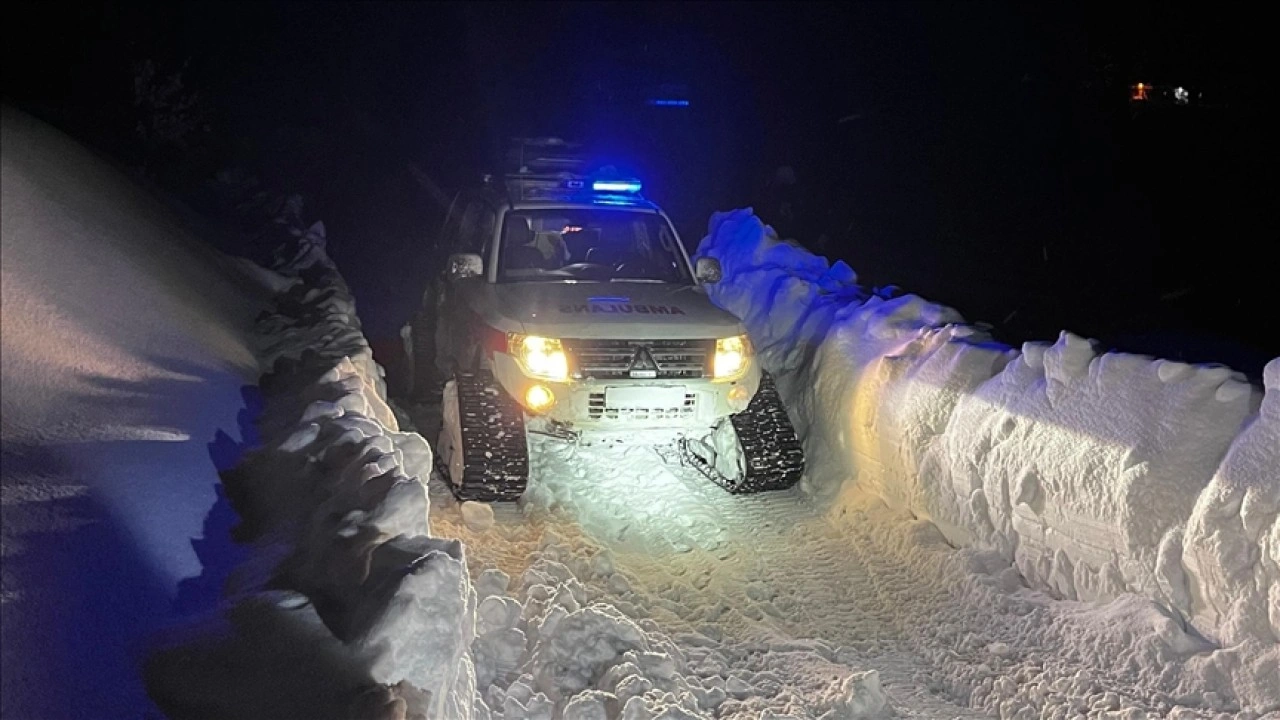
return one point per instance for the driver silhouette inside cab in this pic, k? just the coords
(534, 249)
(623, 247)
(609, 246)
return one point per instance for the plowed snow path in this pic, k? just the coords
(791, 597)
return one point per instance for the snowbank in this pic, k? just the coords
(334, 503)
(127, 342)
(1230, 547)
(1096, 474)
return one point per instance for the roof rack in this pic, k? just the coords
(528, 186)
(550, 168)
(544, 156)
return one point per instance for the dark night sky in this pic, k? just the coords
(990, 159)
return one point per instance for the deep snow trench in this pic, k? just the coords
(958, 547)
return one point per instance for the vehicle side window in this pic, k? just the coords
(482, 241)
(448, 240)
(476, 232)
(465, 239)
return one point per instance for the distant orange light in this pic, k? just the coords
(1140, 92)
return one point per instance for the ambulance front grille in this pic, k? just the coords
(612, 359)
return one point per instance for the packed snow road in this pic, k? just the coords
(804, 610)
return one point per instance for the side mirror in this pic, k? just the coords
(707, 270)
(465, 265)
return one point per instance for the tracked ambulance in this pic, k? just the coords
(568, 304)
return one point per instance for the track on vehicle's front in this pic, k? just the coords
(765, 452)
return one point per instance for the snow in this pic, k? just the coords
(154, 562)
(862, 697)
(1078, 466)
(1095, 474)
(625, 585)
(126, 346)
(729, 460)
(477, 515)
(1231, 545)
(983, 531)
(334, 509)
(770, 600)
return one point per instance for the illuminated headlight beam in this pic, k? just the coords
(540, 357)
(732, 354)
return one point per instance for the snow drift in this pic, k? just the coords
(1095, 474)
(334, 506)
(126, 344)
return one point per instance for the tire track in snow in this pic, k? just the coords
(765, 576)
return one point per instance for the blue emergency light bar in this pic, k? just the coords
(616, 186)
(606, 187)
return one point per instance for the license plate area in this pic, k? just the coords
(645, 397)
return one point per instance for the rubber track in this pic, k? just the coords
(774, 457)
(495, 451)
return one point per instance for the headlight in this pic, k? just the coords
(540, 357)
(732, 354)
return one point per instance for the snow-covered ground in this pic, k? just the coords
(126, 344)
(778, 606)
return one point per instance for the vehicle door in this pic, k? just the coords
(458, 329)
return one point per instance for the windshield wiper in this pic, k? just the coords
(639, 280)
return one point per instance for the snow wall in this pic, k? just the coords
(335, 502)
(1095, 474)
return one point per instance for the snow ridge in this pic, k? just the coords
(338, 493)
(1094, 474)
